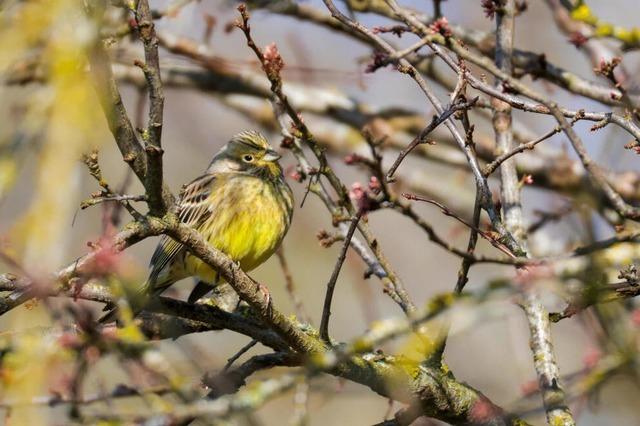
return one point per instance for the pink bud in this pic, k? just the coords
(591, 358)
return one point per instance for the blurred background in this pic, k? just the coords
(42, 225)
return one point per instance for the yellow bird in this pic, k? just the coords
(241, 205)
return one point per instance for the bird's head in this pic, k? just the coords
(247, 152)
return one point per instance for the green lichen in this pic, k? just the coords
(562, 419)
(582, 13)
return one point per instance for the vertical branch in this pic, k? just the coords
(545, 364)
(331, 285)
(153, 134)
(115, 111)
(463, 273)
(467, 262)
(437, 8)
(510, 187)
(544, 361)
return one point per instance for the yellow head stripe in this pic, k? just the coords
(252, 138)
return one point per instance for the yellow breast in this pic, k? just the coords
(250, 217)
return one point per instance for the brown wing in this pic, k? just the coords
(193, 211)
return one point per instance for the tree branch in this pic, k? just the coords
(153, 134)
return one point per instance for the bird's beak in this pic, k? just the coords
(271, 155)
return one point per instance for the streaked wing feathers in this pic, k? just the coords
(193, 211)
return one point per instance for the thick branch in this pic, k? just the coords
(153, 134)
(537, 316)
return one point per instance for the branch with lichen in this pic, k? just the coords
(424, 383)
(356, 361)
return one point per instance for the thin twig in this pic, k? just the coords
(487, 236)
(326, 310)
(120, 391)
(493, 166)
(421, 138)
(595, 171)
(463, 273)
(238, 354)
(119, 198)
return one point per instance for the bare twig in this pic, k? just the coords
(463, 273)
(595, 171)
(119, 198)
(326, 310)
(421, 138)
(238, 354)
(493, 166)
(606, 294)
(487, 236)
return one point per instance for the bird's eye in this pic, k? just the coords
(248, 158)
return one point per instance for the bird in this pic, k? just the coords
(241, 205)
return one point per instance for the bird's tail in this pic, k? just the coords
(199, 291)
(110, 316)
(202, 288)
